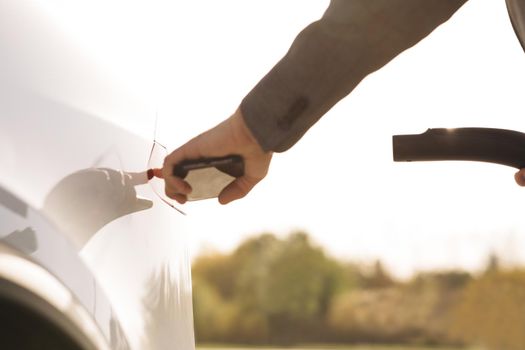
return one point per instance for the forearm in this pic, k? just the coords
(328, 60)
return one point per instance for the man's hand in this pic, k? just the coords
(232, 136)
(520, 177)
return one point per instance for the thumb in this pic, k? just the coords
(520, 177)
(237, 189)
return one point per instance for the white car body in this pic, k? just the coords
(81, 229)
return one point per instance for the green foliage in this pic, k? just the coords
(280, 289)
(301, 281)
(288, 291)
(219, 271)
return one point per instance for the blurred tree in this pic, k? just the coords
(378, 278)
(493, 264)
(299, 288)
(282, 289)
(416, 312)
(492, 311)
(285, 291)
(219, 271)
(217, 320)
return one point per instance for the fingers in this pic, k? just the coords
(175, 187)
(180, 198)
(231, 136)
(193, 149)
(520, 177)
(236, 190)
(157, 172)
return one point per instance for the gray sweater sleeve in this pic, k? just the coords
(330, 57)
(516, 10)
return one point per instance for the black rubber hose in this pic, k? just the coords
(500, 146)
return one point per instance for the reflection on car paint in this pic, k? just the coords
(165, 312)
(12, 203)
(83, 202)
(25, 240)
(35, 236)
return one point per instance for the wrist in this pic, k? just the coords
(243, 134)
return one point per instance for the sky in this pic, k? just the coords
(192, 62)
